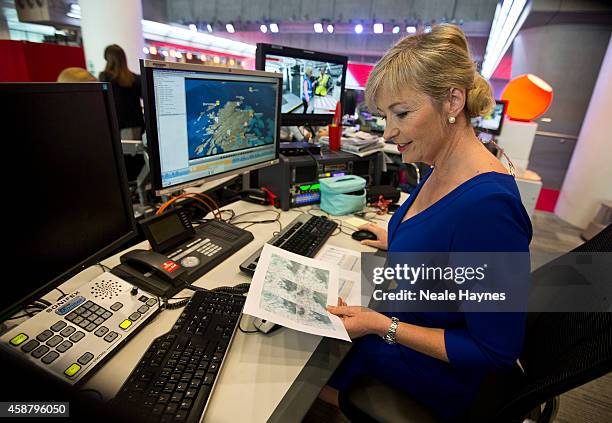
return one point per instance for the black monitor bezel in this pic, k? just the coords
(501, 122)
(148, 95)
(298, 119)
(106, 90)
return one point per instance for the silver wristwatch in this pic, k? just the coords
(390, 336)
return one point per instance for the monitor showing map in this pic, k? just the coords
(313, 82)
(205, 123)
(494, 121)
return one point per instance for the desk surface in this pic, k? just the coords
(258, 369)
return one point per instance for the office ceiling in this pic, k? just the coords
(295, 19)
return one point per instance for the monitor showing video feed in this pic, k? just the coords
(313, 82)
(205, 122)
(493, 122)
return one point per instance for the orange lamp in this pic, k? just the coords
(528, 97)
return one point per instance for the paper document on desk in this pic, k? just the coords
(350, 268)
(293, 291)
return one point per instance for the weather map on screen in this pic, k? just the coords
(225, 116)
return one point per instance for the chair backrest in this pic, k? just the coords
(562, 350)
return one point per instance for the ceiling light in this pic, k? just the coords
(172, 53)
(427, 29)
(396, 29)
(410, 29)
(153, 50)
(193, 28)
(189, 56)
(232, 62)
(358, 28)
(274, 27)
(209, 28)
(203, 58)
(318, 27)
(145, 50)
(164, 53)
(178, 54)
(263, 28)
(330, 28)
(230, 28)
(216, 59)
(378, 28)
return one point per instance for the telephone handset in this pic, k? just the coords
(150, 261)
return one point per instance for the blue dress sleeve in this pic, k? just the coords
(497, 222)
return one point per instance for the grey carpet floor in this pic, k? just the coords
(589, 403)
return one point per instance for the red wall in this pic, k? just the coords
(24, 61)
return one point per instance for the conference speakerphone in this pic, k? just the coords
(73, 336)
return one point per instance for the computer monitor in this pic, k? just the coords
(208, 122)
(71, 206)
(493, 122)
(313, 82)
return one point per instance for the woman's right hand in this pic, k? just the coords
(381, 236)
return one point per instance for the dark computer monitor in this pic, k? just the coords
(321, 74)
(70, 207)
(208, 122)
(493, 122)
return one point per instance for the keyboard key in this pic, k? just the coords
(134, 316)
(72, 370)
(94, 308)
(88, 304)
(67, 331)
(111, 336)
(19, 339)
(40, 351)
(100, 311)
(176, 397)
(116, 306)
(44, 335)
(58, 326)
(158, 409)
(64, 346)
(143, 298)
(172, 408)
(84, 323)
(125, 324)
(143, 309)
(30, 345)
(186, 405)
(101, 331)
(71, 316)
(77, 320)
(92, 317)
(86, 314)
(54, 341)
(91, 327)
(98, 321)
(85, 358)
(50, 357)
(151, 302)
(106, 315)
(77, 336)
(191, 393)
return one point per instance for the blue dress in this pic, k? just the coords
(484, 213)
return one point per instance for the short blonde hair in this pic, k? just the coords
(75, 75)
(432, 63)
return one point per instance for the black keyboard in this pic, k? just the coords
(175, 378)
(305, 236)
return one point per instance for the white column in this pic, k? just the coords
(4, 29)
(588, 181)
(111, 22)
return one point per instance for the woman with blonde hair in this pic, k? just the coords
(127, 92)
(427, 88)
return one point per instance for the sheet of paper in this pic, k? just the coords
(349, 262)
(355, 222)
(293, 291)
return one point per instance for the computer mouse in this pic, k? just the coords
(361, 235)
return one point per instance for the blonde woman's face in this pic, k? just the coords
(412, 122)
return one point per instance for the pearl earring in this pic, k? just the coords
(451, 119)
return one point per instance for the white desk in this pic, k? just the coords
(258, 369)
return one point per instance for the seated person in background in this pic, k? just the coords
(126, 92)
(428, 89)
(75, 75)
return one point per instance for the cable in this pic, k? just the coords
(103, 266)
(61, 292)
(199, 197)
(244, 330)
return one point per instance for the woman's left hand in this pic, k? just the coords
(358, 320)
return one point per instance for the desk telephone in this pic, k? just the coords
(181, 253)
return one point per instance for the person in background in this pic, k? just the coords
(127, 92)
(75, 75)
(307, 91)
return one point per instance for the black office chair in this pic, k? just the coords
(561, 351)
